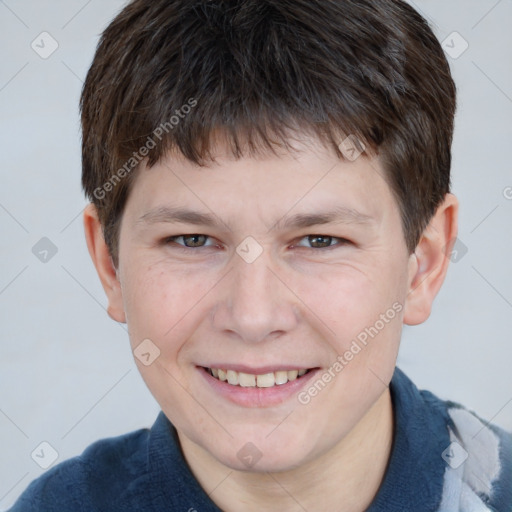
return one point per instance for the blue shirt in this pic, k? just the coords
(443, 459)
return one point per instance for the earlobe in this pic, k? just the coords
(429, 263)
(103, 262)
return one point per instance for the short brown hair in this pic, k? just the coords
(168, 73)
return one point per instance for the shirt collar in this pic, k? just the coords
(415, 473)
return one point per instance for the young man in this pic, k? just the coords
(270, 203)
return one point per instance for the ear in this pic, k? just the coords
(429, 263)
(103, 262)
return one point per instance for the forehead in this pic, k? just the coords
(280, 190)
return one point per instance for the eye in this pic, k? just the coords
(197, 240)
(190, 241)
(321, 241)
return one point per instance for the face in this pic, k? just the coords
(285, 274)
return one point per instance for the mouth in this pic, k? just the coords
(257, 387)
(250, 380)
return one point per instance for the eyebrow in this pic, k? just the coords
(340, 214)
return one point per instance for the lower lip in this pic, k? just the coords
(258, 397)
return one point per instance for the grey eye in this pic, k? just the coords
(194, 240)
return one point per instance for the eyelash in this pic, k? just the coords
(173, 239)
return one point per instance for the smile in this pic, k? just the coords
(248, 380)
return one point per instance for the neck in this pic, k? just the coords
(350, 473)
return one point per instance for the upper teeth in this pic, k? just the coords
(248, 380)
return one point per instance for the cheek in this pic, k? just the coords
(359, 312)
(361, 316)
(347, 301)
(161, 305)
(164, 306)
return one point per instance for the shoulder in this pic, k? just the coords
(104, 475)
(479, 461)
(465, 462)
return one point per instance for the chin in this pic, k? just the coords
(276, 464)
(262, 456)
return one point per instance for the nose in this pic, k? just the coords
(255, 303)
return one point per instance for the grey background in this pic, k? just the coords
(67, 375)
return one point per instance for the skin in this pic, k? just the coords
(300, 304)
